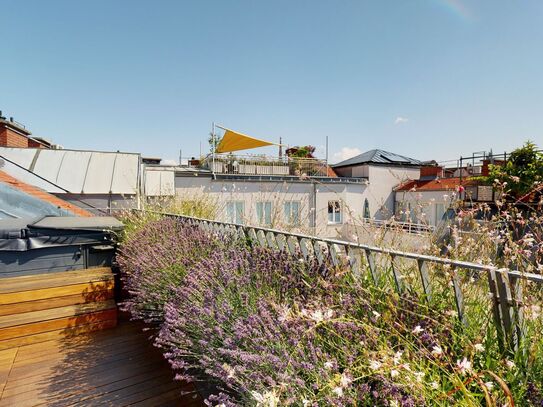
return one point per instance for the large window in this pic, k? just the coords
(264, 213)
(292, 212)
(235, 211)
(334, 212)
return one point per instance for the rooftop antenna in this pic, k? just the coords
(280, 147)
(326, 149)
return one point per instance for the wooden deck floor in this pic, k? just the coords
(115, 367)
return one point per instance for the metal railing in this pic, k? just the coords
(505, 288)
(256, 165)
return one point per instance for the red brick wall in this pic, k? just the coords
(431, 171)
(9, 138)
(34, 144)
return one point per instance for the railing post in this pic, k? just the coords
(370, 257)
(458, 296)
(396, 273)
(425, 279)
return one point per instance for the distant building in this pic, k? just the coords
(383, 171)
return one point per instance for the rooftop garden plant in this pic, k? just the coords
(267, 327)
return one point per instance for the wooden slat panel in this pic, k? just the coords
(55, 313)
(48, 303)
(46, 336)
(26, 283)
(54, 324)
(53, 292)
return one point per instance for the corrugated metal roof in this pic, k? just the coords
(88, 172)
(378, 157)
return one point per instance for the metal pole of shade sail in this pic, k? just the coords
(213, 149)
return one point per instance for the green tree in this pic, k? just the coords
(522, 173)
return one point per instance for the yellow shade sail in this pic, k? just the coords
(234, 141)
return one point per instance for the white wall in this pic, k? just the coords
(250, 192)
(382, 181)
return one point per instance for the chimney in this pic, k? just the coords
(432, 172)
(12, 133)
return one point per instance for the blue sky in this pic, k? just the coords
(430, 79)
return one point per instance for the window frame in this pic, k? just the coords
(288, 213)
(335, 213)
(235, 211)
(264, 217)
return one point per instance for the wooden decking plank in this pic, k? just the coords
(54, 313)
(114, 391)
(62, 274)
(58, 386)
(55, 324)
(33, 282)
(122, 333)
(83, 287)
(94, 369)
(61, 333)
(56, 302)
(55, 354)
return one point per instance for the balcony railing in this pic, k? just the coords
(256, 165)
(505, 286)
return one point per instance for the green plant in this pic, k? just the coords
(521, 174)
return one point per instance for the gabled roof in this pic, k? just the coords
(378, 157)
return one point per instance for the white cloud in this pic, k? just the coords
(400, 120)
(345, 153)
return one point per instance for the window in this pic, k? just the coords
(367, 214)
(292, 212)
(334, 212)
(264, 213)
(234, 211)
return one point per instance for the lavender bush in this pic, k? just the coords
(268, 328)
(155, 259)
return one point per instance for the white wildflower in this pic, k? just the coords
(268, 399)
(229, 370)
(328, 365)
(479, 347)
(437, 351)
(317, 316)
(419, 376)
(417, 330)
(434, 385)
(305, 402)
(338, 391)
(397, 357)
(464, 366)
(345, 380)
(489, 385)
(510, 364)
(394, 373)
(376, 314)
(375, 365)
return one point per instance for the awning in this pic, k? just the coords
(234, 141)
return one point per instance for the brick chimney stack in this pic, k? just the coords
(13, 134)
(431, 172)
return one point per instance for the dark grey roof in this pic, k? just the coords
(378, 157)
(95, 222)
